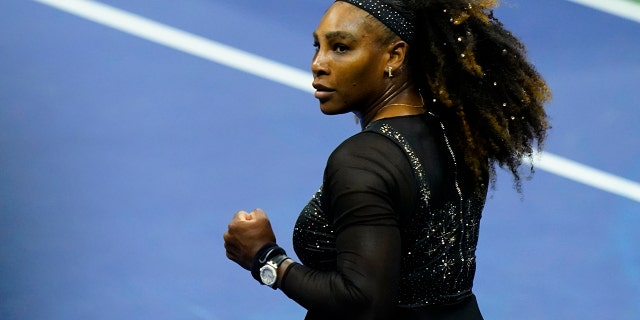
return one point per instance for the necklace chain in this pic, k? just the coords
(389, 105)
(402, 104)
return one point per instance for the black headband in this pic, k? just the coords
(388, 16)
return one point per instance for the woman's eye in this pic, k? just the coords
(316, 45)
(340, 48)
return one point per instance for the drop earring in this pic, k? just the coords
(390, 71)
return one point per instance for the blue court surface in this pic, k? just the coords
(132, 131)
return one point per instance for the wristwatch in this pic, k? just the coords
(269, 272)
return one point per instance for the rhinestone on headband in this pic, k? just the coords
(388, 16)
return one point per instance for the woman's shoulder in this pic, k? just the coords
(362, 144)
(367, 150)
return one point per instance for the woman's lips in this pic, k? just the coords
(322, 92)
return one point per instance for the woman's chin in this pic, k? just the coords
(331, 109)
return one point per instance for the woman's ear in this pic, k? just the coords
(397, 54)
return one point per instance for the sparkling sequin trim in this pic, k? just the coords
(416, 165)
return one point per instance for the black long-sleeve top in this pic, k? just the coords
(391, 234)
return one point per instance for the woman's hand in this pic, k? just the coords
(247, 233)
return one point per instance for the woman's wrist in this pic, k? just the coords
(263, 255)
(269, 265)
(283, 269)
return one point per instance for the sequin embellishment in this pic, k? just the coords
(438, 259)
(396, 22)
(314, 238)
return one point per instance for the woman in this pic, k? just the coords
(443, 93)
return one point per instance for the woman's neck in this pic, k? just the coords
(398, 110)
(403, 101)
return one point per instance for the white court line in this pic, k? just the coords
(186, 42)
(256, 65)
(622, 8)
(592, 177)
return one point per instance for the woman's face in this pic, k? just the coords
(349, 62)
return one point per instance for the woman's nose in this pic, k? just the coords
(318, 64)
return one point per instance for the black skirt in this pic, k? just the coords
(466, 309)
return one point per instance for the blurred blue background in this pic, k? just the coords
(122, 160)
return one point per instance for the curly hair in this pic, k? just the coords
(481, 84)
